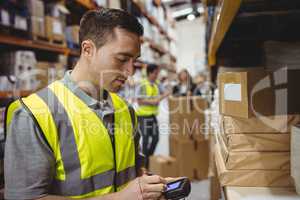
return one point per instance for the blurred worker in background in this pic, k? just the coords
(203, 87)
(185, 86)
(149, 96)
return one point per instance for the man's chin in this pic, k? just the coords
(115, 89)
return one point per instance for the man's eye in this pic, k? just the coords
(122, 60)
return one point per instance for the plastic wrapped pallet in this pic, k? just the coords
(295, 157)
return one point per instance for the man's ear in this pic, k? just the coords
(88, 48)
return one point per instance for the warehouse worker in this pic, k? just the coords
(148, 98)
(77, 138)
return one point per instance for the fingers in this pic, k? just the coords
(152, 196)
(154, 179)
(155, 188)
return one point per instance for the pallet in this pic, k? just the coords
(58, 41)
(8, 30)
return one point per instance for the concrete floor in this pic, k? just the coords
(200, 190)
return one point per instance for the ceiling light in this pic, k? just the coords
(200, 9)
(191, 17)
(179, 13)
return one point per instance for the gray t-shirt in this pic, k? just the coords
(29, 163)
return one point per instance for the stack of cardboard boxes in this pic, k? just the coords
(189, 149)
(50, 71)
(37, 18)
(295, 156)
(253, 146)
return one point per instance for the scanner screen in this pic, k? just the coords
(173, 186)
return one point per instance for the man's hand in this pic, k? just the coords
(144, 188)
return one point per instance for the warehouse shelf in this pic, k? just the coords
(86, 4)
(227, 10)
(11, 94)
(12, 40)
(152, 20)
(158, 48)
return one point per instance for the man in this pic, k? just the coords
(148, 99)
(76, 138)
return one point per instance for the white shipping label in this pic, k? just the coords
(57, 27)
(5, 18)
(232, 92)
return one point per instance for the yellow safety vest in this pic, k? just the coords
(151, 91)
(87, 162)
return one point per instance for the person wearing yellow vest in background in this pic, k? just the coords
(77, 138)
(148, 98)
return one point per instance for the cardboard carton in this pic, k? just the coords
(36, 8)
(192, 157)
(251, 178)
(37, 26)
(259, 93)
(260, 193)
(295, 157)
(54, 28)
(187, 116)
(164, 166)
(254, 160)
(273, 124)
(236, 94)
(258, 142)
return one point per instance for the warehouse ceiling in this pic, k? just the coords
(184, 9)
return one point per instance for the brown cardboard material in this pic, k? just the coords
(258, 142)
(251, 178)
(192, 157)
(274, 124)
(259, 92)
(235, 94)
(295, 157)
(37, 26)
(187, 116)
(164, 166)
(260, 193)
(54, 28)
(254, 160)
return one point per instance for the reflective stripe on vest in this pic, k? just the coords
(81, 144)
(151, 91)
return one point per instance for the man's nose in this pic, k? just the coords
(129, 69)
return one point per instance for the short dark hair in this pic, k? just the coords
(98, 24)
(151, 68)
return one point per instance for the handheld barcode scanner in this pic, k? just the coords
(178, 189)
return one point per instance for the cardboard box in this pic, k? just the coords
(235, 93)
(164, 166)
(187, 116)
(195, 165)
(251, 178)
(54, 28)
(38, 26)
(274, 124)
(295, 157)
(259, 92)
(36, 8)
(254, 160)
(215, 187)
(258, 142)
(260, 193)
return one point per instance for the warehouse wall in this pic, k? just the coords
(191, 45)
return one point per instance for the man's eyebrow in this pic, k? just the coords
(128, 54)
